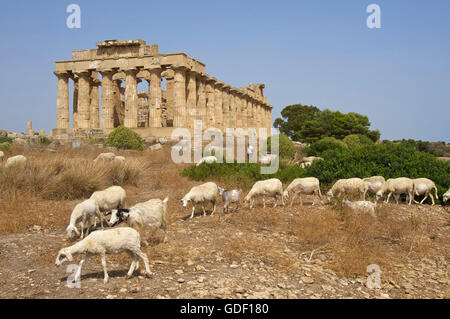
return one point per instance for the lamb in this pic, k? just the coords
(446, 196)
(201, 194)
(105, 156)
(111, 198)
(397, 186)
(268, 158)
(374, 183)
(229, 197)
(423, 187)
(101, 242)
(207, 160)
(362, 205)
(270, 187)
(82, 214)
(152, 213)
(15, 161)
(307, 186)
(2, 156)
(350, 185)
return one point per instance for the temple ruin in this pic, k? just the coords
(189, 93)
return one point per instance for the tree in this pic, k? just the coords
(309, 124)
(124, 138)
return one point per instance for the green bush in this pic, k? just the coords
(354, 141)
(6, 140)
(124, 138)
(5, 147)
(325, 144)
(286, 147)
(44, 140)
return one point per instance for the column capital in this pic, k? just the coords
(106, 71)
(219, 84)
(179, 67)
(168, 74)
(82, 73)
(62, 74)
(130, 71)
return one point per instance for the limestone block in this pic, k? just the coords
(156, 147)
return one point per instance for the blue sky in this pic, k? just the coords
(310, 52)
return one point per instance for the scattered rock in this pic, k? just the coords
(307, 280)
(155, 147)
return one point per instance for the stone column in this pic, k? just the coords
(191, 98)
(94, 106)
(75, 102)
(107, 104)
(119, 105)
(218, 105)
(226, 101)
(155, 97)
(30, 131)
(210, 112)
(131, 98)
(169, 76)
(250, 115)
(84, 100)
(269, 120)
(201, 104)
(243, 113)
(179, 97)
(62, 101)
(238, 109)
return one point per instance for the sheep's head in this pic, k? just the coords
(286, 194)
(445, 199)
(379, 194)
(221, 190)
(118, 215)
(72, 232)
(329, 195)
(185, 202)
(63, 256)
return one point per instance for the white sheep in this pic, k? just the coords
(15, 161)
(423, 187)
(362, 205)
(2, 156)
(310, 159)
(82, 214)
(271, 187)
(397, 186)
(101, 242)
(119, 158)
(152, 213)
(348, 186)
(207, 160)
(268, 158)
(201, 194)
(446, 196)
(105, 156)
(374, 183)
(111, 198)
(307, 186)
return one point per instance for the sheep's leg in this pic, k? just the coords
(105, 271)
(193, 209)
(204, 211)
(276, 200)
(396, 197)
(264, 202)
(214, 209)
(388, 197)
(131, 270)
(238, 207)
(425, 197)
(410, 198)
(432, 199)
(143, 256)
(82, 229)
(78, 273)
(282, 200)
(293, 197)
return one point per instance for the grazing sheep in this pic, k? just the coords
(83, 214)
(119, 158)
(307, 186)
(423, 187)
(105, 156)
(446, 196)
(201, 194)
(374, 183)
(350, 185)
(362, 205)
(397, 186)
(2, 156)
(101, 242)
(207, 160)
(15, 161)
(267, 159)
(229, 197)
(152, 213)
(270, 187)
(111, 198)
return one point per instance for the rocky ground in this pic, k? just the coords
(195, 271)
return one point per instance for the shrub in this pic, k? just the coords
(44, 140)
(124, 138)
(286, 147)
(327, 143)
(354, 141)
(6, 140)
(5, 147)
